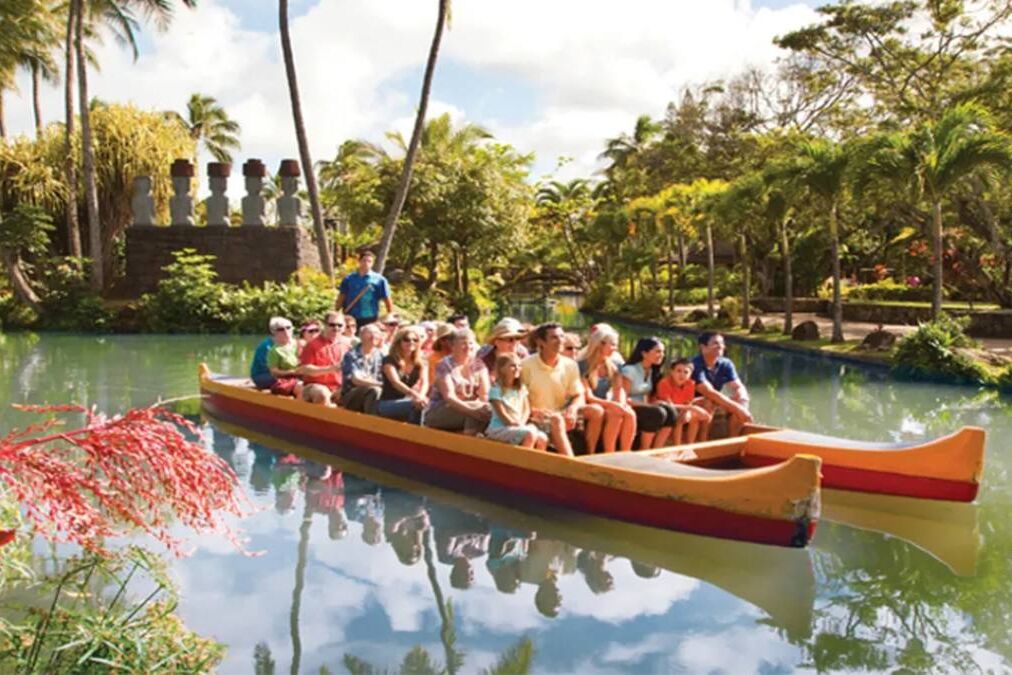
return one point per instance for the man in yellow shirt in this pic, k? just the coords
(555, 390)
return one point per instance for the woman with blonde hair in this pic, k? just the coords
(405, 378)
(603, 384)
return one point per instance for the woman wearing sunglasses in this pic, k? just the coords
(507, 337)
(405, 378)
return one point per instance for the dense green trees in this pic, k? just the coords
(850, 156)
(468, 208)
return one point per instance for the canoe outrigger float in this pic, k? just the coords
(670, 488)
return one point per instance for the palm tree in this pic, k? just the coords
(935, 158)
(300, 134)
(567, 204)
(620, 150)
(822, 168)
(390, 224)
(119, 16)
(27, 33)
(208, 123)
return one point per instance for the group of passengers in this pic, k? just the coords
(530, 386)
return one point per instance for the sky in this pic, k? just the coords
(552, 78)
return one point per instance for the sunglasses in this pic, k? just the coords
(570, 348)
(509, 339)
(409, 338)
(336, 325)
(281, 328)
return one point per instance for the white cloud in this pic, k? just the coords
(594, 67)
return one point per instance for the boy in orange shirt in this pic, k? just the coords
(679, 389)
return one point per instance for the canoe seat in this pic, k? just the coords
(819, 440)
(637, 462)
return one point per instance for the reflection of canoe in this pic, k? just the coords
(771, 505)
(779, 581)
(945, 530)
(947, 468)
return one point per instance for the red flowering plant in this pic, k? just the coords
(114, 476)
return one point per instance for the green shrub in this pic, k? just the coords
(68, 301)
(13, 314)
(929, 353)
(252, 307)
(889, 290)
(730, 310)
(1004, 380)
(190, 299)
(418, 305)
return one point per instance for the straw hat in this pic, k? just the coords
(443, 330)
(506, 328)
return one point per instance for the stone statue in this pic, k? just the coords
(181, 203)
(142, 205)
(217, 203)
(289, 206)
(254, 206)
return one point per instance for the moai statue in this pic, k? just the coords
(141, 204)
(254, 206)
(181, 203)
(289, 206)
(217, 203)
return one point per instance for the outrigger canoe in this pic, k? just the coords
(777, 504)
(947, 468)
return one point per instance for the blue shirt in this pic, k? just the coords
(640, 382)
(357, 364)
(722, 372)
(376, 289)
(259, 367)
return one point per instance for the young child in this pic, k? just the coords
(511, 409)
(679, 388)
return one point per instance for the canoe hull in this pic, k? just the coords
(405, 453)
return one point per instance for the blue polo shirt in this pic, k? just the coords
(723, 371)
(376, 290)
(259, 372)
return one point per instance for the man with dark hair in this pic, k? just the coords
(555, 389)
(459, 321)
(361, 292)
(712, 371)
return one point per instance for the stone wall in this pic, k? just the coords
(989, 324)
(251, 254)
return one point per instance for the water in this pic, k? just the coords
(361, 568)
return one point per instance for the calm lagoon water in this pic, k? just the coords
(363, 565)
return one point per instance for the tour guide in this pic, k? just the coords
(361, 292)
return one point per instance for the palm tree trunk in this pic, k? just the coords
(87, 150)
(300, 583)
(390, 224)
(834, 238)
(36, 102)
(433, 263)
(300, 134)
(710, 271)
(671, 273)
(3, 125)
(19, 282)
(746, 283)
(936, 236)
(785, 250)
(70, 161)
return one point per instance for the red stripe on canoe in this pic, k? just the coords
(882, 482)
(599, 499)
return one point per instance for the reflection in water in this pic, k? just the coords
(387, 571)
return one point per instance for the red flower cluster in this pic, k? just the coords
(118, 475)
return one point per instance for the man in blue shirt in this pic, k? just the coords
(361, 292)
(712, 371)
